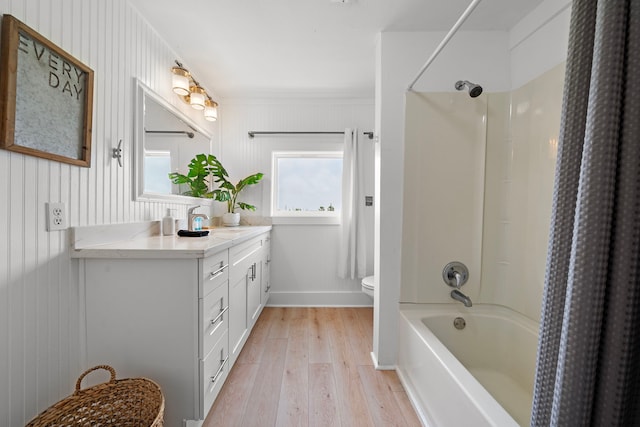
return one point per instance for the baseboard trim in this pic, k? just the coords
(381, 367)
(319, 299)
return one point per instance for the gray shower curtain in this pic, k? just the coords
(588, 370)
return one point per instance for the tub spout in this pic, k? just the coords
(459, 296)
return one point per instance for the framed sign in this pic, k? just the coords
(46, 97)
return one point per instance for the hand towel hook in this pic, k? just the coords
(117, 153)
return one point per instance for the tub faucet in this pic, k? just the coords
(192, 216)
(459, 296)
(458, 278)
(455, 274)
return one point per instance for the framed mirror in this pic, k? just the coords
(165, 141)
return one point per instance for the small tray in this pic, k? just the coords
(187, 233)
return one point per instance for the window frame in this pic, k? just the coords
(301, 217)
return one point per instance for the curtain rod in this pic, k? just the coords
(253, 133)
(171, 132)
(444, 41)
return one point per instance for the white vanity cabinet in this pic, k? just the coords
(245, 289)
(175, 310)
(166, 319)
(266, 271)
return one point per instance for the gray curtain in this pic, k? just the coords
(588, 370)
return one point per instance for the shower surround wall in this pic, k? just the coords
(446, 179)
(522, 143)
(500, 62)
(443, 192)
(41, 347)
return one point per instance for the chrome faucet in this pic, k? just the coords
(456, 274)
(458, 278)
(459, 296)
(192, 216)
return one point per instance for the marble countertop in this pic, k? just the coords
(87, 244)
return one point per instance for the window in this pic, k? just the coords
(307, 184)
(157, 166)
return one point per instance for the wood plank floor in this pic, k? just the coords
(311, 367)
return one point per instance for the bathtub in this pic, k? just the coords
(481, 375)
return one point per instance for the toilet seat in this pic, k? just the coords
(368, 286)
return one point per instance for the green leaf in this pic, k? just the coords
(178, 178)
(221, 195)
(246, 206)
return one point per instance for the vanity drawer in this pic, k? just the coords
(214, 370)
(215, 318)
(215, 272)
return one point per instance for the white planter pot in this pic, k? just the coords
(230, 219)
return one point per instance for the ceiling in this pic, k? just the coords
(239, 48)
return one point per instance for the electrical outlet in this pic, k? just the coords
(56, 216)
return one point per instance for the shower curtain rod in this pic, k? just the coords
(253, 133)
(444, 41)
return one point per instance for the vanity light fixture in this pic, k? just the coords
(196, 98)
(190, 91)
(210, 110)
(180, 80)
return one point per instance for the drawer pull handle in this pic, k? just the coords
(253, 272)
(223, 311)
(215, 377)
(218, 272)
(267, 289)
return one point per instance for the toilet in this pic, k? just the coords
(368, 286)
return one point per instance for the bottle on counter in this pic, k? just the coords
(169, 224)
(197, 224)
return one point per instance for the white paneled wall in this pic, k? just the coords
(40, 324)
(539, 41)
(304, 269)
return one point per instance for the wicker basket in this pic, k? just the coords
(125, 403)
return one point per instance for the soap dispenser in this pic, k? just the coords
(169, 224)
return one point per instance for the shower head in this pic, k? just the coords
(474, 89)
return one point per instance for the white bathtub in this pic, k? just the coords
(481, 375)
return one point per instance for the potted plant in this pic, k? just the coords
(204, 166)
(201, 167)
(228, 192)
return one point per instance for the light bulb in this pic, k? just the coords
(210, 110)
(197, 97)
(180, 81)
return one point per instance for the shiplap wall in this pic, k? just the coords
(40, 354)
(305, 257)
